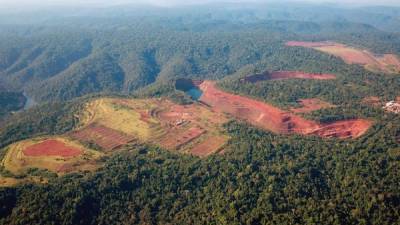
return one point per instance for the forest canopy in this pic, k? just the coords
(63, 61)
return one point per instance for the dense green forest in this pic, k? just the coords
(68, 57)
(10, 101)
(65, 57)
(347, 91)
(262, 179)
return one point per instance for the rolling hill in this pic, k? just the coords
(199, 115)
(125, 53)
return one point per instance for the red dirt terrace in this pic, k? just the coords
(52, 148)
(105, 137)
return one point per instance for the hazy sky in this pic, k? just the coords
(20, 3)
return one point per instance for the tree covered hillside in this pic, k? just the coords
(262, 178)
(11, 101)
(67, 57)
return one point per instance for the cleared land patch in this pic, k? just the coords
(372, 101)
(8, 181)
(111, 123)
(106, 138)
(196, 129)
(343, 129)
(50, 153)
(387, 63)
(119, 114)
(52, 148)
(157, 121)
(209, 146)
(283, 75)
(174, 140)
(276, 120)
(310, 105)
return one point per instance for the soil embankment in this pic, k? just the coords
(276, 120)
(387, 63)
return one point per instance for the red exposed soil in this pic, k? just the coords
(104, 137)
(343, 129)
(208, 146)
(384, 62)
(274, 119)
(65, 168)
(174, 140)
(372, 101)
(144, 116)
(71, 167)
(282, 75)
(357, 58)
(310, 44)
(310, 105)
(52, 148)
(182, 114)
(391, 60)
(176, 113)
(255, 112)
(300, 75)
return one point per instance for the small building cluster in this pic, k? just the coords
(392, 106)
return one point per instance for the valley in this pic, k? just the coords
(233, 112)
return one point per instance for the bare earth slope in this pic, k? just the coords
(310, 105)
(387, 63)
(283, 75)
(276, 120)
(107, 124)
